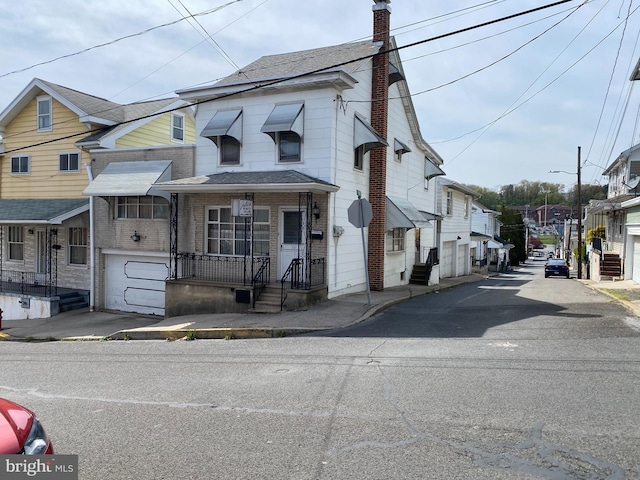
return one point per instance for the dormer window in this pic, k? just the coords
(44, 114)
(285, 127)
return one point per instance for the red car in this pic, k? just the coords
(21, 432)
(556, 266)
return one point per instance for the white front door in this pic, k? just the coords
(41, 254)
(292, 238)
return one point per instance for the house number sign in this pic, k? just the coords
(242, 208)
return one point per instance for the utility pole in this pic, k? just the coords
(579, 221)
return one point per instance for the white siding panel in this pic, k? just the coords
(636, 259)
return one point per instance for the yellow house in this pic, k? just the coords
(47, 135)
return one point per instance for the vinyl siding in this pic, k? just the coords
(44, 180)
(157, 132)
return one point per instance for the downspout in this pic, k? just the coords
(92, 269)
(338, 102)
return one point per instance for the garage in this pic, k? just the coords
(636, 259)
(447, 259)
(136, 283)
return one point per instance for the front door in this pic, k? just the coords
(292, 238)
(41, 254)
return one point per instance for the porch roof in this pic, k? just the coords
(123, 179)
(41, 211)
(270, 181)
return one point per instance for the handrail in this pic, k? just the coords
(288, 272)
(261, 279)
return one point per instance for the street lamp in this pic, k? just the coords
(579, 210)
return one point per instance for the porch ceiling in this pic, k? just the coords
(270, 181)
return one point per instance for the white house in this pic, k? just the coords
(454, 204)
(285, 147)
(484, 228)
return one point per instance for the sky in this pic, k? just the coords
(501, 103)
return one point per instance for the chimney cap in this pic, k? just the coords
(381, 1)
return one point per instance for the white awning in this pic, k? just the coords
(365, 134)
(225, 122)
(130, 179)
(398, 146)
(494, 244)
(400, 213)
(431, 170)
(284, 118)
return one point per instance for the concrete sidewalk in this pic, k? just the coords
(328, 315)
(331, 314)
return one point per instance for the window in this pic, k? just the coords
(142, 207)
(20, 165)
(69, 162)
(229, 235)
(449, 202)
(395, 240)
(44, 114)
(229, 150)
(467, 205)
(177, 127)
(77, 246)
(288, 147)
(16, 243)
(358, 160)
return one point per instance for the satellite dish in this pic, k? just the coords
(633, 182)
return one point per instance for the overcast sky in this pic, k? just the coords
(500, 104)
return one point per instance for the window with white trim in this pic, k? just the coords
(20, 165)
(395, 239)
(449, 202)
(70, 162)
(229, 149)
(77, 246)
(142, 207)
(467, 207)
(15, 242)
(177, 127)
(229, 235)
(44, 114)
(289, 144)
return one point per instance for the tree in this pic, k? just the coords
(514, 231)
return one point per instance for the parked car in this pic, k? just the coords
(556, 267)
(21, 432)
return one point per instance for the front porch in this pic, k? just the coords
(224, 284)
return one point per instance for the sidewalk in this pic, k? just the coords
(331, 314)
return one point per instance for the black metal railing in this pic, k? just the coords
(433, 258)
(261, 280)
(223, 269)
(297, 277)
(26, 283)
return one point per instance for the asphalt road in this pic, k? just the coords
(459, 390)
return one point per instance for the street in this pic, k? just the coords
(514, 377)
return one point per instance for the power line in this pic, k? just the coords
(206, 12)
(301, 75)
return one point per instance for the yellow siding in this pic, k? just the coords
(45, 179)
(157, 132)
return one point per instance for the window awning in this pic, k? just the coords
(400, 213)
(130, 179)
(284, 118)
(431, 170)
(476, 236)
(494, 244)
(398, 146)
(365, 134)
(394, 74)
(226, 122)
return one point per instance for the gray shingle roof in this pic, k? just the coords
(294, 63)
(90, 104)
(251, 178)
(35, 210)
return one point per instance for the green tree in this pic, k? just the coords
(514, 231)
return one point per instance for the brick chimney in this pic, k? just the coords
(378, 156)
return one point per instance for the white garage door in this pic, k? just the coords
(462, 260)
(446, 259)
(136, 283)
(636, 259)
